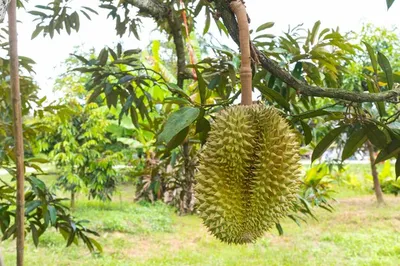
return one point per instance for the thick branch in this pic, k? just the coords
(301, 87)
(158, 11)
(176, 31)
(152, 7)
(334, 93)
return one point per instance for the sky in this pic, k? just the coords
(48, 53)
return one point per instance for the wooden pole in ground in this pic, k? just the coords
(1, 259)
(18, 137)
(239, 9)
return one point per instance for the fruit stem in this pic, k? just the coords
(239, 9)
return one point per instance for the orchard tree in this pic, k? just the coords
(292, 72)
(366, 72)
(77, 145)
(289, 72)
(43, 209)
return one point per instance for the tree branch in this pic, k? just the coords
(159, 11)
(176, 31)
(152, 7)
(230, 23)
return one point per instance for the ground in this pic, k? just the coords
(356, 233)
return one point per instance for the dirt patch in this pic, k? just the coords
(367, 201)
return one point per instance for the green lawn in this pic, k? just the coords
(357, 233)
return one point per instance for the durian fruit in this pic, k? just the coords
(248, 173)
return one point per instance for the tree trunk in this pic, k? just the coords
(18, 135)
(72, 200)
(377, 185)
(188, 194)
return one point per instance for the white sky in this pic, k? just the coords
(48, 54)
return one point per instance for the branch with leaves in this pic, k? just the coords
(301, 87)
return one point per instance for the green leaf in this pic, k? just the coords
(86, 14)
(275, 96)
(310, 114)
(387, 68)
(214, 82)
(208, 23)
(67, 25)
(96, 93)
(132, 52)
(312, 72)
(38, 13)
(112, 99)
(53, 214)
(389, 3)
(82, 59)
(37, 31)
(268, 36)
(176, 89)
(75, 18)
(37, 183)
(31, 205)
(113, 54)
(279, 228)
(397, 167)
(307, 133)
(322, 33)
(376, 136)
(324, 144)
(90, 9)
(125, 79)
(372, 56)
(134, 117)
(96, 244)
(372, 88)
(265, 26)
(198, 8)
(177, 121)
(119, 49)
(203, 127)
(178, 139)
(221, 27)
(134, 30)
(103, 56)
(35, 234)
(202, 86)
(355, 141)
(390, 151)
(177, 100)
(37, 160)
(71, 238)
(314, 31)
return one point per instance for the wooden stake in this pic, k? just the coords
(239, 9)
(18, 137)
(1, 259)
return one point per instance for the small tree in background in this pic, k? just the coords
(77, 145)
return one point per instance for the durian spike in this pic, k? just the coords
(239, 9)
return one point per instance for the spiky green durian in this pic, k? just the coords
(248, 173)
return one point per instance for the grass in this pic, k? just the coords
(356, 233)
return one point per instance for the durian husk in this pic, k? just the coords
(248, 174)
